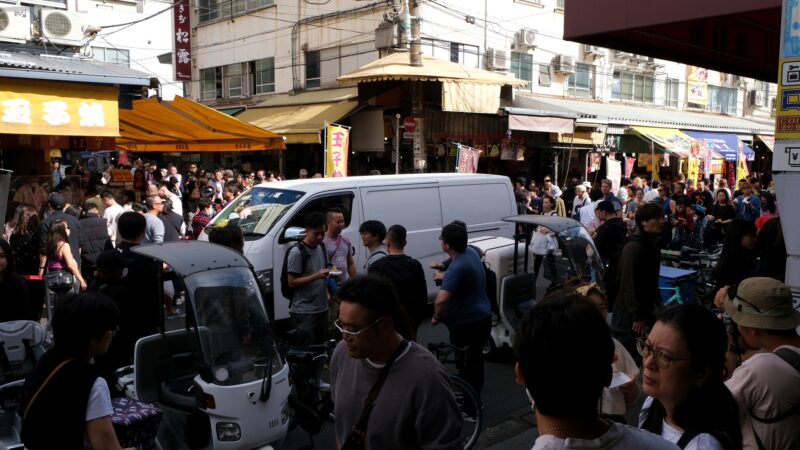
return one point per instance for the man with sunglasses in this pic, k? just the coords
(766, 385)
(388, 392)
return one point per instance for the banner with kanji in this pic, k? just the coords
(467, 159)
(183, 41)
(337, 144)
(741, 164)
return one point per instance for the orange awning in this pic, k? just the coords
(183, 125)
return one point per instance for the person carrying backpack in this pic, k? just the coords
(304, 283)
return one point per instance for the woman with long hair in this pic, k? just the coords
(688, 403)
(739, 251)
(24, 240)
(721, 213)
(59, 255)
(769, 209)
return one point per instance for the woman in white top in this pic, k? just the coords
(684, 366)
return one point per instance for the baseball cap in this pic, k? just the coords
(764, 303)
(111, 260)
(57, 201)
(609, 206)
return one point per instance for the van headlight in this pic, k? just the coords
(228, 431)
(264, 278)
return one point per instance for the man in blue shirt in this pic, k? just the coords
(748, 206)
(462, 303)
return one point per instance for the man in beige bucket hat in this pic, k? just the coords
(767, 386)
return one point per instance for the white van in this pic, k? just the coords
(422, 203)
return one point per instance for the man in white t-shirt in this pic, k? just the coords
(565, 354)
(766, 386)
(112, 211)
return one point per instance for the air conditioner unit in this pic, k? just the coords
(525, 38)
(622, 56)
(15, 24)
(593, 51)
(497, 59)
(564, 64)
(61, 27)
(639, 58)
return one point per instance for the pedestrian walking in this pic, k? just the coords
(373, 232)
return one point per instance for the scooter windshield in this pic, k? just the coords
(235, 336)
(578, 256)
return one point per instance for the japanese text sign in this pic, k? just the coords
(183, 41)
(32, 107)
(467, 159)
(337, 143)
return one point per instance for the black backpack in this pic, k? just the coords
(286, 291)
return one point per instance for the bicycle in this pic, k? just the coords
(310, 404)
(468, 401)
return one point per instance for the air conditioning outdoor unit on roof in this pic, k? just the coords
(525, 38)
(15, 24)
(61, 27)
(593, 51)
(497, 60)
(564, 64)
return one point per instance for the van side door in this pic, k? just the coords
(480, 206)
(416, 207)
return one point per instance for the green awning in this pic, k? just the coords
(232, 111)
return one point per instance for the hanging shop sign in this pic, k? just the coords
(467, 159)
(697, 85)
(183, 41)
(337, 138)
(34, 107)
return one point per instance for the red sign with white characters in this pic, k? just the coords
(183, 41)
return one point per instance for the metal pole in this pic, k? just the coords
(485, 35)
(397, 144)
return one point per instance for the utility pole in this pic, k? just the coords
(485, 33)
(397, 144)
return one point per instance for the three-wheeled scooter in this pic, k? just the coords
(518, 288)
(218, 378)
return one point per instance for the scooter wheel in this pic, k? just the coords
(489, 348)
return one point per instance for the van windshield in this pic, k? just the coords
(256, 211)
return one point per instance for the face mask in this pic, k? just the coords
(533, 403)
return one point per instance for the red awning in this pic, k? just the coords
(733, 36)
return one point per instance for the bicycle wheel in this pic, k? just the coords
(471, 411)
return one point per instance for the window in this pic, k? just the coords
(633, 87)
(211, 83)
(234, 81)
(671, 94)
(313, 72)
(454, 52)
(522, 67)
(581, 83)
(112, 55)
(264, 72)
(560, 5)
(722, 99)
(762, 94)
(451, 51)
(217, 9)
(544, 75)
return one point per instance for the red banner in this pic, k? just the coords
(467, 159)
(183, 41)
(629, 166)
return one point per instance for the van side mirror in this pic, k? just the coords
(293, 234)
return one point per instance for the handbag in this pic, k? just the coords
(60, 280)
(357, 440)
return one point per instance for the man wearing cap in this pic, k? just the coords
(766, 386)
(612, 232)
(56, 202)
(555, 191)
(581, 200)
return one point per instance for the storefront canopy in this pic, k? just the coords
(769, 141)
(300, 123)
(540, 124)
(723, 143)
(183, 125)
(669, 139)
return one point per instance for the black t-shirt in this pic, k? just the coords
(141, 278)
(408, 277)
(703, 198)
(26, 252)
(723, 212)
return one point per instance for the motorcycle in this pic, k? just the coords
(517, 287)
(217, 377)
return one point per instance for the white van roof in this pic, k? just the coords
(319, 184)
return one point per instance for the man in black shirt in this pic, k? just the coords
(612, 232)
(407, 275)
(142, 274)
(702, 196)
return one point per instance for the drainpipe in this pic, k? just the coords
(307, 20)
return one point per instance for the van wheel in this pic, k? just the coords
(489, 349)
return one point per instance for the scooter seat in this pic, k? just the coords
(178, 393)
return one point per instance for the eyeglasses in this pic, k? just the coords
(347, 332)
(662, 360)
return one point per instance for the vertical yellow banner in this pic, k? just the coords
(741, 164)
(697, 85)
(337, 143)
(693, 169)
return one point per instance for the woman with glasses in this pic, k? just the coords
(684, 366)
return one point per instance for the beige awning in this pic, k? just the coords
(398, 67)
(540, 124)
(300, 124)
(769, 141)
(579, 138)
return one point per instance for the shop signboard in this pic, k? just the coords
(337, 139)
(697, 85)
(35, 107)
(183, 41)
